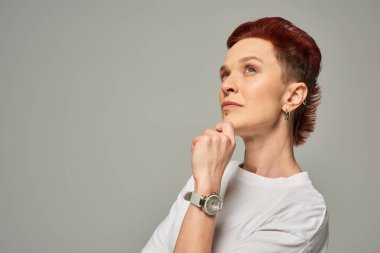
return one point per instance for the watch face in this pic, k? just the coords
(213, 204)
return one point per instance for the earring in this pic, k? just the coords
(287, 115)
(304, 102)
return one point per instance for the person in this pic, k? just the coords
(267, 202)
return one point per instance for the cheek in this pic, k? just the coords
(263, 102)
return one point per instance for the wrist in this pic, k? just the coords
(206, 189)
(207, 181)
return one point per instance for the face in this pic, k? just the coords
(251, 76)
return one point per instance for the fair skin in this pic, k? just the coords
(257, 85)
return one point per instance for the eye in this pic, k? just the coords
(250, 68)
(223, 75)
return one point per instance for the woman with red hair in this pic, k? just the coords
(265, 203)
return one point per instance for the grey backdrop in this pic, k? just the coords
(99, 102)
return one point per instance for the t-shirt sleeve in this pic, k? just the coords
(272, 238)
(271, 241)
(159, 240)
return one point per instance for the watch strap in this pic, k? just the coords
(194, 198)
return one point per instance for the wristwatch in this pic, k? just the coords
(210, 204)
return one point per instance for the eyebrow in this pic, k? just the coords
(244, 59)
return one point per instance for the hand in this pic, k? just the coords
(211, 152)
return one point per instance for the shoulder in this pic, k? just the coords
(303, 212)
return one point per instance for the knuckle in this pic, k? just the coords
(206, 138)
(215, 138)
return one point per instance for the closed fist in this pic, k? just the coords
(211, 152)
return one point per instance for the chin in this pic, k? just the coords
(234, 122)
(241, 126)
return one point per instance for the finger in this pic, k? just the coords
(195, 140)
(210, 131)
(227, 128)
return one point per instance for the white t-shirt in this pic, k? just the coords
(259, 215)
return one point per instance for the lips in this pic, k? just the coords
(230, 103)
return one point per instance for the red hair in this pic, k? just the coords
(300, 61)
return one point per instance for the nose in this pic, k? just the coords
(229, 86)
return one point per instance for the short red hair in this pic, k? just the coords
(300, 61)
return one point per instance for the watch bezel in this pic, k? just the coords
(207, 198)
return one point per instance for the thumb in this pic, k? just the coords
(227, 128)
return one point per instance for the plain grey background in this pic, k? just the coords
(99, 102)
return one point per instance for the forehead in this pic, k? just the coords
(257, 47)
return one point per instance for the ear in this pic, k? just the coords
(294, 95)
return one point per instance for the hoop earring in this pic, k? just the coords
(287, 115)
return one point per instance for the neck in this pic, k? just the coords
(271, 155)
